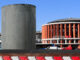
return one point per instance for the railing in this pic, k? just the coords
(59, 39)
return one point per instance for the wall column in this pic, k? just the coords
(61, 34)
(43, 34)
(65, 28)
(51, 31)
(54, 31)
(70, 34)
(48, 33)
(74, 30)
(57, 30)
(79, 36)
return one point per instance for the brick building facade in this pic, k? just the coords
(63, 32)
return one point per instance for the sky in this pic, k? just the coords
(48, 10)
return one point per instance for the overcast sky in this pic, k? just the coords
(48, 10)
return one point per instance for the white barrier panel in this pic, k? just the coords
(14, 58)
(48, 58)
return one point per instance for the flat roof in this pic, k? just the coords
(66, 20)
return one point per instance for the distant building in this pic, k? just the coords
(38, 36)
(0, 40)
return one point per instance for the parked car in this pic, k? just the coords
(54, 48)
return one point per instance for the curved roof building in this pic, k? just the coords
(62, 32)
